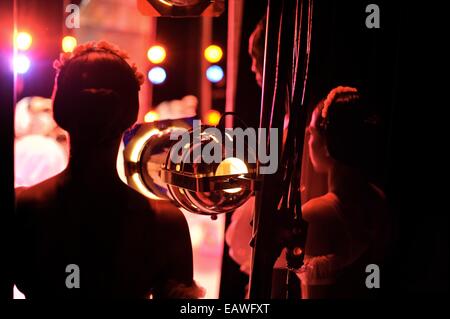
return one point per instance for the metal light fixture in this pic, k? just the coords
(181, 8)
(157, 167)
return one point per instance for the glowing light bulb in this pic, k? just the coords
(231, 166)
(69, 43)
(23, 41)
(156, 54)
(157, 75)
(212, 117)
(213, 53)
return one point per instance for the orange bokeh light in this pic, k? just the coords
(151, 116)
(69, 43)
(23, 41)
(213, 53)
(212, 117)
(156, 54)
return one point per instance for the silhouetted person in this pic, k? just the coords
(256, 44)
(346, 226)
(85, 215)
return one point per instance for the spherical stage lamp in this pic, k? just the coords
(167, 160)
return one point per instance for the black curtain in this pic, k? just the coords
(393, 66)
(6, 143)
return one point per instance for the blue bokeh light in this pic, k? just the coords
(214, 73)
(21, 64)
(157, 75)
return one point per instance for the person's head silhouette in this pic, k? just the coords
(340, 130)
(256, 44)
(96, 94)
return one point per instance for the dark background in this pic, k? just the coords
(396, 67)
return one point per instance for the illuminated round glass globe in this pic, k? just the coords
(212, 117)
(166, 168)
(157, 75)
(214, 73)
(213, 53)
(21, 64)
(208, 188)
(69, 43)
(156, 54)
(23, 41)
